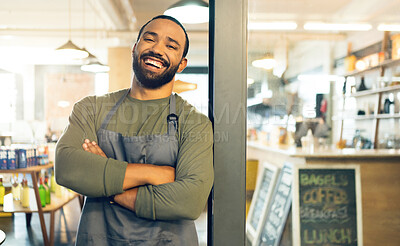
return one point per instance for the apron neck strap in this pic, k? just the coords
(110, 114)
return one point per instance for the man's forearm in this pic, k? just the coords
(137, 174)
(142, 174)
(127, 199)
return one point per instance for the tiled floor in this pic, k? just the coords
(66, 222)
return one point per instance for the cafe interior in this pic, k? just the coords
(321, 100)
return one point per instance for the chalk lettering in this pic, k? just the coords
(318, 215)
(325, 195)
(270, 231)
(274, 219)
(287, 179)
(284, 190)
(340, 236)
(323, 180)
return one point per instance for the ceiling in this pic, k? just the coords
(31, 29)
(40, 26)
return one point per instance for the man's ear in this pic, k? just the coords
(182, 65)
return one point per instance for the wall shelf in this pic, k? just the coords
(388, 63)
(379, 92)
(367, 117)
(376, 91)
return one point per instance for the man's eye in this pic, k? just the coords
(171, 47)
(148, 39)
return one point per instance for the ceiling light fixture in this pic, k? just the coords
(322, 26)
(189, 11)
(93, 65)
(268, 62)
(389, 27)
(69, 50)
(263, 26)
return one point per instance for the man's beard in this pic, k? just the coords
(150, 80)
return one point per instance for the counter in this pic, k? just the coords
(330, 153)
(380, 183)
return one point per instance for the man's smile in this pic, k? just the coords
(154, 63)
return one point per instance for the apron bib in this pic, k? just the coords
(103, 223)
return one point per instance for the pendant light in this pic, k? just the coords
(189, 11)
(93, 65)
(267, 62)
(69, 50)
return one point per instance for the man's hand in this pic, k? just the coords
(92, 147)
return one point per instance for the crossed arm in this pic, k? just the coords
(152, 192)
(136, 175)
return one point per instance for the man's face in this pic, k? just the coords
(157, 56)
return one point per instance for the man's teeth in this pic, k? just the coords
(154, 63)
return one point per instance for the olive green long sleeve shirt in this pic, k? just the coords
(96, 176)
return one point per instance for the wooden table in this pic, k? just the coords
(12, 206)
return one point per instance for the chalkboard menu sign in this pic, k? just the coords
(260, 201)
(281, 202)
(327, 203)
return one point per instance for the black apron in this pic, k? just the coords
(105, 223)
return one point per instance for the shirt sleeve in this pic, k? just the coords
(81, 171)
(186, 197)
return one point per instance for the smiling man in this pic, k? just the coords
(142, 156)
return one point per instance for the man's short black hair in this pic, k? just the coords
(185, 51)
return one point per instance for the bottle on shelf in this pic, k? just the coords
(42, 192)
(2, 192)
(19, 188)
(307, 142)
(53, 183)
(46, 186)
(15, 188)
(25, 193)
(362, 86)
(22, 189)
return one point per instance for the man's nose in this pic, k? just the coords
(157, 48)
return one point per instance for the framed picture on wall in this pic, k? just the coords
(327, 205)
(260, 201)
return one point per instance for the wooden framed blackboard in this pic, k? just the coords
(279, 208)
(327, 206)
(259, 204)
